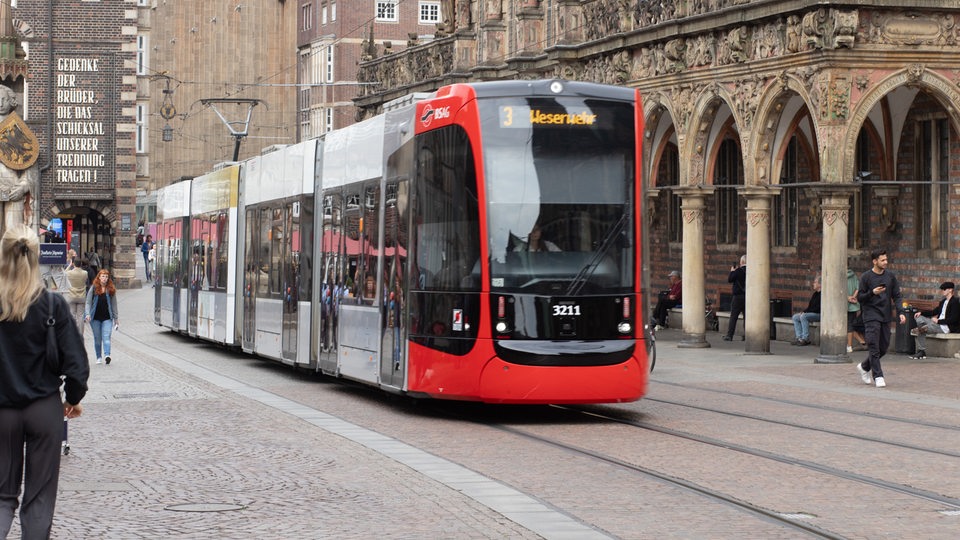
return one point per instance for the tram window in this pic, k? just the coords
(306, 248)
(251, 251)
(275, 268)
(263, 256)
(447, 237)
(222, 227)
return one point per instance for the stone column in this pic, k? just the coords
(835, 209)
(694, 289)
(757, 321)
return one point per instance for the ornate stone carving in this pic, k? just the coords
(700, 51)
(693, 215)
(674, 51)
(747, 93)
(603, 18)
(914, 29)
(829, 28)
(914, 73)
(759, 218)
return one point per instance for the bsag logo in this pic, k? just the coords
(429, 113)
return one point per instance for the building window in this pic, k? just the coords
(140, 2)
(141, 142)
(785, 210)
(142, 56)
(328, 65)
(328, 120)
(429, 12)
(306, 11)
(323, 15)
(304, 97)
(333, 11)
(932, 198)
(669, 176)
(387, 10)
(858, 232)
(727, 175)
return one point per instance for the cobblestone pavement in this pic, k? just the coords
(182, 440)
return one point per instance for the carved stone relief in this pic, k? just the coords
(914, 29)
(830, 29)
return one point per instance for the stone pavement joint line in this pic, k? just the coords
(520, 508)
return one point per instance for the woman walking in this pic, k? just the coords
(101, 312)
(33, 358)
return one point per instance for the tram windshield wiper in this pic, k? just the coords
(579, 280)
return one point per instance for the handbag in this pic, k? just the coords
(53, 351)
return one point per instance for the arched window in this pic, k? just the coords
(785, 210)
(728, 173)
(933, 198)
(669, 175)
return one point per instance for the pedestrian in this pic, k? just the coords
(76, 294)
(101, 312)
(33, 358)
(877, 291)
(93, 259)
(943, 319)
(854, 318)
(738, 304)
(145, 251)
(802, 320)
(668, 299)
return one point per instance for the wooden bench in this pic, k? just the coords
(943, 345)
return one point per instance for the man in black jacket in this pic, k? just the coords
(802, 320)
(879, 294)
(738, 303)
(943, 319)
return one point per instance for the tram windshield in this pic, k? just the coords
(560, 182)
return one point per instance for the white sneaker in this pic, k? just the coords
(849, 348)
(99, 360)
(865, 375)
(880, 382)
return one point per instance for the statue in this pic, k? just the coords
(19, 177)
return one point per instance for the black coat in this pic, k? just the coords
(952, 318)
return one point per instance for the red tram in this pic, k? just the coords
(480, 243)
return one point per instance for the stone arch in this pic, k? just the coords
(764, 144)
(703, 118)
(658, 111)
(917, 75)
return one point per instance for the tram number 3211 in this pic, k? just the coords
(566, 310)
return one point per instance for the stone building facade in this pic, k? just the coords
(79, 100)
(804, 134)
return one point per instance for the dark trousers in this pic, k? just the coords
(660, 312)
(877, 335)
(39, 428)
(738, 305)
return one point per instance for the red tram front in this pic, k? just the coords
(524, 250)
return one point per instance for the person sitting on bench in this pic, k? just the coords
(943, 319)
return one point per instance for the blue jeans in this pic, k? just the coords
(801, 324)
(102, 330)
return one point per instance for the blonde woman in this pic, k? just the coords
(31, 411)
(101, 312)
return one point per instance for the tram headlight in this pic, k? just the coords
(625, 327)
(556, 87)
(501, 327)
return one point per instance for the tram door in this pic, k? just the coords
(251, 249)
(393, 348)
(333, 278)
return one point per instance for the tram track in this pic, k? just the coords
(951, 502)
(796, 425)
(715, 495)
(808, 405)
